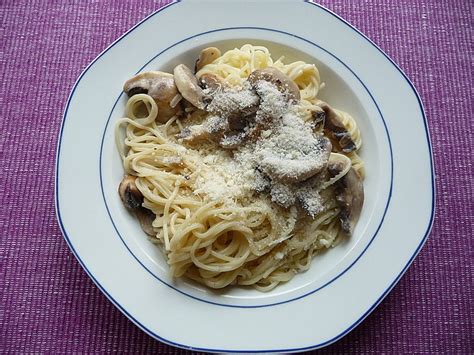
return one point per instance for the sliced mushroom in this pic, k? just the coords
(319, 118)
(338, 165)
(304, 194)
(350, 197)
(132, 199)
(188, 86)
(309, 200)
(207, 56)
(238, 103)
(161, 87)
(146, 218)
(335, 129)
(194, 134)
(276, 77)
(213, 128)
(237, 123)
(211, 83)
(279, 165)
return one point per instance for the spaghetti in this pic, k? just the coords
(221, 212)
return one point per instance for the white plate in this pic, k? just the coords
(345, 284)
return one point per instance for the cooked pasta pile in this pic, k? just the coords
(216, 224)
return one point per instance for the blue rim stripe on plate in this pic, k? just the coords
(156, 336)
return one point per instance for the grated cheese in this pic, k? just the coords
(282, 155)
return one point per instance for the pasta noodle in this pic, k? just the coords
(213, 228)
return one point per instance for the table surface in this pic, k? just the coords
(48, 304)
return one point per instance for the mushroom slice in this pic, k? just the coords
(294, 162)
(146, 218)
(234, 103)
(335, 129)
(211, 83)
(194, 134)
(350, 197)
(132, 199)
(213, 128)
(161, 87)
(309, 200)
(338, 166)
(207, 56)
(319, 118)
(277, 78)
(188, 86)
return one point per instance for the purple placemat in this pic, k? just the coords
(48, 304)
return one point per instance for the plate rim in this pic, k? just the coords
(320, 345)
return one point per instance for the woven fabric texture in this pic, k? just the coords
(47, 302)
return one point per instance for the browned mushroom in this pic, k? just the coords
(305, 195)
(294, 162)
(338, 164)
(188, 86)
(309, 200)
(277, 78)
(319, 118)
(132, 199)
(146, 218)
(161, 87)
(335, 129)
(207, 56)
(350, 197)
(194, 134)
(211, 83)
(234, 103)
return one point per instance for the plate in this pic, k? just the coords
(344, 284)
